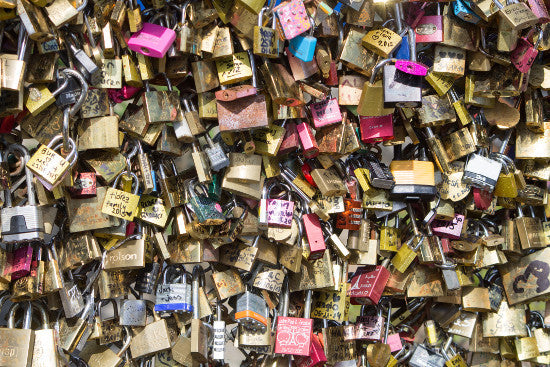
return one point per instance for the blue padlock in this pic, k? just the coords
(303, 47)
(462, 11)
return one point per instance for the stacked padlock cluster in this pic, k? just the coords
(296, 183)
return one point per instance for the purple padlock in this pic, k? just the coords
(152, 40)
(411, 67)
(525, 53)
(19, 262)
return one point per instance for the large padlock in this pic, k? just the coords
(22, 223)
(19, 341)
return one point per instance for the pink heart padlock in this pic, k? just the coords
(152, 40)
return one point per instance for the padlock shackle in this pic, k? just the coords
(28, 174)
(198, 271)
(42, 313)
(27, 315)
(377, 68)
(134, 179)
(127, 341)
(83, 88)
(104, 302)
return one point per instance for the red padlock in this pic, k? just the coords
(375, 129)
(314, 233)
(310, 148)
(291, 140)
(482, 198)
(368, 286)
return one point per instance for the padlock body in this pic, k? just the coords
(152, 40)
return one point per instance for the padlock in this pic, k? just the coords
(208, 211)
(430, 28)
(266, 42)
(216, 155)
(153, 338)
(367, 286)
(275, 212)
(22, 223)
(13, 69)
(382, 41)
(119, 203)
(293, 18)
(525, 53)
(517, 15)
(21, 341)
(293, 335)
(303, 47)
(152, 40)
(51, 167)
(174, 293)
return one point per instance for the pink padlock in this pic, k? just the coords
(317, 356)
(19, 262)
(314, 235)
(325, 113)
(450, 229)
(430, 28)
(152, 40)
(539, 9)
(310, 149)
(394, 340)
(525, 53)
(293, 18)
(411, 67)
(375, 129)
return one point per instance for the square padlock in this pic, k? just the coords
(293, 18)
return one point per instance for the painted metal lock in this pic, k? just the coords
(243, 113)
(303, 47)
(525, 53)
(375, 129)
(367, 287)
(325, 113)
(293, 335)
(85, 185)
(369, 327)
(293, 18)
(152, 40)
(310, 148)
(462, 11)
(279, 212)
(449, 229)
(315, 237)
(19, 262)
(350, 218)
(207, 210)
(429, 29)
